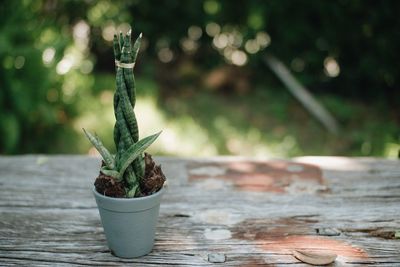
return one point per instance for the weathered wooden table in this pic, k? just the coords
(218, 211)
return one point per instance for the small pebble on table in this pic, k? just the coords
(216, 257)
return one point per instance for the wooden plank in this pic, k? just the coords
(209, 209)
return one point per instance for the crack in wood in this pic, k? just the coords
(48, 261)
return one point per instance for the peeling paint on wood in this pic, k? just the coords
(217, 216)
(271, 176)
(217, 234)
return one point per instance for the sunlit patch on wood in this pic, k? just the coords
(286, 235)
(313, 243)
(217, 234)
(260, 229)
(272, 176)
(220, 217)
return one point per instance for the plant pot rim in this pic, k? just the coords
(135, 204)
(131, 198)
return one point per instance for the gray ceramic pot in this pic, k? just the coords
(129, 223)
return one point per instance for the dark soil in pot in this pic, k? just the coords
(152, 181)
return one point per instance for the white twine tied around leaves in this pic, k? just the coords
(124, 65)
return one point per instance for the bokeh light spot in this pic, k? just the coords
(239, 58)
(48, 55)
(263, 39)
(165, 55)
(19, 62)
(331, 67)
(211, 7)
(195, 32)
(252, 46)
(213, 29)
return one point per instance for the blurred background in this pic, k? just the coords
(203, 75)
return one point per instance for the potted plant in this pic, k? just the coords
(129, 186)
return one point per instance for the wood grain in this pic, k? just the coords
(49, 217)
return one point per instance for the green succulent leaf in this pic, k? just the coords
(132, 192)
(108, 172)
(106, 155)
(121, 40)
(116, 47)
(136, 47)
(134, 151)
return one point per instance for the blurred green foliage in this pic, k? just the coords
(30, 114)
(202, 67)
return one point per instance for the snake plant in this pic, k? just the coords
(128, 164)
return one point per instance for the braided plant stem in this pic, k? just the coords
(126, 131)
